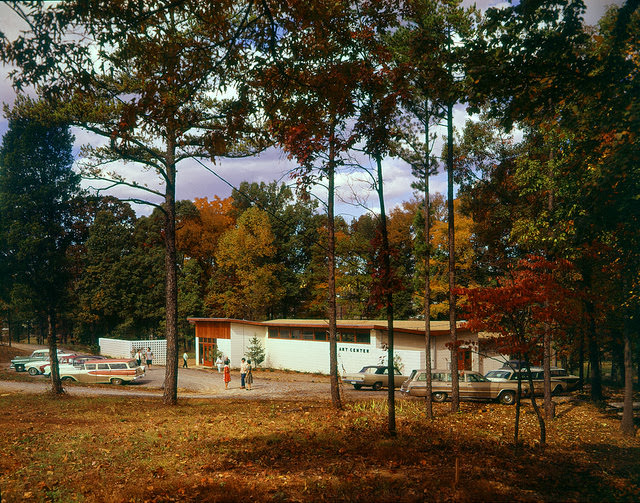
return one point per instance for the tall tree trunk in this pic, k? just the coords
(594, 356)
(534, 403)
(56, 384)
(549, 406)
(170, 395)
(627, 426)
(427, 275)
(331, 259)
(387, 284)
(10, 325)
(581, 358)
(455, 390)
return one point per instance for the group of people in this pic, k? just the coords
(246, 372)
(144, 354)
(246, 369)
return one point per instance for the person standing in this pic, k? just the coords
(149, 357)
(226, 375)
(138, 357)
(243, 372)
(185, 357)
(249, 378)
(219, 363)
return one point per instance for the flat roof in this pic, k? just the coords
(410, 326)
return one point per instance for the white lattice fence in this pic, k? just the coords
(118, 348)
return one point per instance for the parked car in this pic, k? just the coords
(375, 376)
(516, 364)
(36, 367)
(19, 362)
(472, 385)
(72, 361)
(572, 381)
(537, 374)
(113, 371)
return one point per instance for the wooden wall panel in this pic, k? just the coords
(213, 329)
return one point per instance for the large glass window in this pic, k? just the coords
(296, 333)
(307, 334)
(347, 337)
(273, 332)
(285, 333)
(321, 335)
(363, 336)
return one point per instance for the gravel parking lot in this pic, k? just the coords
(202, 382)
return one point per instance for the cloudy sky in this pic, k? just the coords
(194, 181)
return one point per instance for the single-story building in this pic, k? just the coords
(303, 345)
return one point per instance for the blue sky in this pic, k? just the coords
(194, 181)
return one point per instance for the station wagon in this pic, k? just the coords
(104, 371)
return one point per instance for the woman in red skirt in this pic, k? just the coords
(226, 375)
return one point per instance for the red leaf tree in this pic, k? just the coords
(516, 311)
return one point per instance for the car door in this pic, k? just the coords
(477, 386)
(103, 374)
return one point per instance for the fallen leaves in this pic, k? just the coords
(224, 451)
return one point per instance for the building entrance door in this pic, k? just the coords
(207, 352)
(464, 359)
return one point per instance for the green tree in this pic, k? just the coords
(255, 351)
(309, 94)
(37, 185)
(431, 47)
(576, 94)
(245, 284)
(293, 223)
(145, 76)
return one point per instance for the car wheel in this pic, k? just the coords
(357, 386)
(67, 379)
(117, 381)
(19, 368)
(557, 390)
(507, 397)
(438, 396)
(377, 386)
(33, 371)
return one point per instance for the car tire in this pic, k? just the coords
(117, 381)
(377, 386)
(67, 379)
(557, 390)
(19, 368)
(507, 397)
(33, 371)
(357, 386)
(438, 396)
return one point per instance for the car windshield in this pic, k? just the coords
(499, 374)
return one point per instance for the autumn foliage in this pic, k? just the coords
(518, 309)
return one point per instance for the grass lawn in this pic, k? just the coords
(112, 449)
